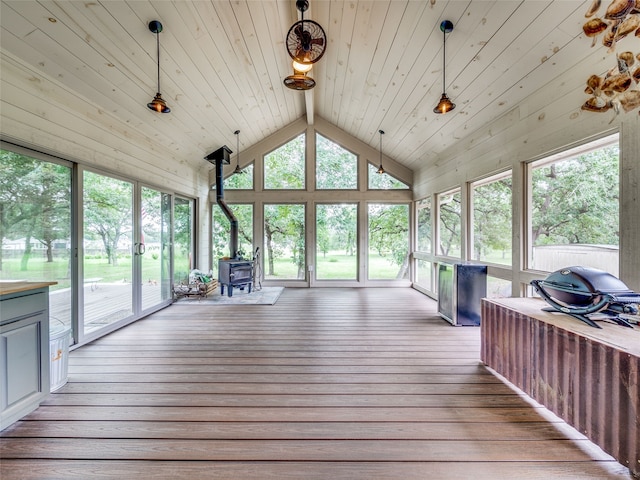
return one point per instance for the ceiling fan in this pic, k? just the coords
(306, 43)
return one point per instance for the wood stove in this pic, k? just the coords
(234, 271)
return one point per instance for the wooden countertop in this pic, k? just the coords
(15, 287)
(616, 336)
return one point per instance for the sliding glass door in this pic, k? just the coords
(154, 248)
(126, 251)
(107, 247)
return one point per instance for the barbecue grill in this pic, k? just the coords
(584, 291)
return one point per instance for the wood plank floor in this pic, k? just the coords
(325, 384)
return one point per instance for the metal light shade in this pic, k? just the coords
(158, 104)
(299, 81)
(444, 105)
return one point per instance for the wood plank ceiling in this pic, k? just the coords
(223, 63)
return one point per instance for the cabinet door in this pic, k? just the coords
(23, 379)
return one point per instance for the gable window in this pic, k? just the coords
(336, 168)
(383, 181)
(240, 181)
(574, 208)
(284, 168)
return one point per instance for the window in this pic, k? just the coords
(221, 232)
(424, 225)
(574, 208)
(183, 242)
(498, 287)
(424, 276)
(450, 224)
(337, 241)
(284, 168)
(383, 181)
(336, 168)
(240, 181)
(284, 234)
(492, 220)
(388, 241)
(36, 227)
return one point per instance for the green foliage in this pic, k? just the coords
(107, 209)
(336, 168)
(183, 219)
(450, 223)
(35, 203)
(424, 226)
(284, 232)
(492, 220)
(336, 231)
(284, 168)
(222, 231)
(383, 181)
(389, 234)
(240, 181)
(577, 200)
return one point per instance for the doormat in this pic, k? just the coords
(266, 296)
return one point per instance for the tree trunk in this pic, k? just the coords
(269, 234)
(24, 262)
(49, 252)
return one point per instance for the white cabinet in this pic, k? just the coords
(24, 351)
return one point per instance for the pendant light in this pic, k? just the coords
(380, 169)
(158, 104)
(444, 105)
(238, 169)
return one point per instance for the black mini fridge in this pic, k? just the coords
(460, 288)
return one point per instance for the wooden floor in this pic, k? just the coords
(325, 384)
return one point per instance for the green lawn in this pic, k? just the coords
(337, 267)
(58, 271)
(330, 267)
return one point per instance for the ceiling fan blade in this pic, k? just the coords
(317, 41)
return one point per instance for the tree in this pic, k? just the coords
(222, 230)
(492, 218)
(336, 168)
(284, 229)
(38, 206)
(450, 223)
(107, 211)
(577, 200)
(284, 168)
(389, 233)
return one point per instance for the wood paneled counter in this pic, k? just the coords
(24, 348)
(587, 376)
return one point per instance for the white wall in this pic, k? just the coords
(39, 113)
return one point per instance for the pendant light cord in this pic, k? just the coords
(158, 53)
(444, 59)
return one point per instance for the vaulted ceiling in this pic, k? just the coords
(223, 65)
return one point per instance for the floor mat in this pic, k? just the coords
(265, 296)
